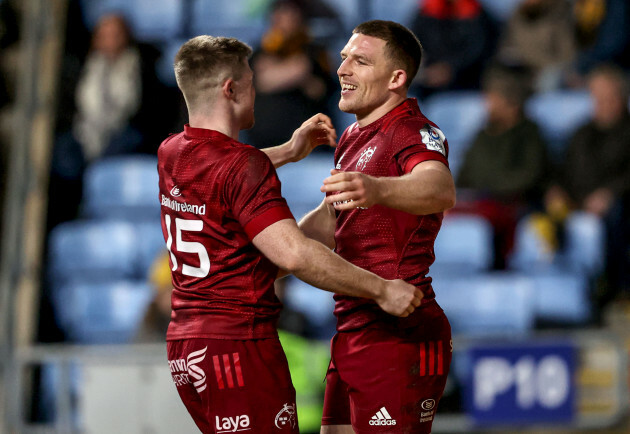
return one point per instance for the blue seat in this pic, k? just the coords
(351, 12)
(234, 18)
(490, 304)
(460, 115)
(463, 245)
(316, 305)
(531, 251)
(559, 114)
(101, 313)
(156, 20)
(583, 251)
(501, 10)
(585, 243)
(92, 250)
(301, 182)
(150, 20)
(164, 66)
(150, 245)
(122, 187)
(562, 297)
(400, 11)
(93, 10)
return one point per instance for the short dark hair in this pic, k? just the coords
(401, 45)
(206, 61)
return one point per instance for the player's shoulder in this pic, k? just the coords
(417, 129)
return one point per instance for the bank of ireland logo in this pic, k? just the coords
(286, 417)
(428, 404)
(195, 371)
(365, 157)
(175, 192)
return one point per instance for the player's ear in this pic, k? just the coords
(398, 79)
(228, 89)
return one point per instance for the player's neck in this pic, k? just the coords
(215, 122)
(381, 110)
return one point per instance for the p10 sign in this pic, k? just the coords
(522, 384)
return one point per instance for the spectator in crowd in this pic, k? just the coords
(505, 169)
(107, 97)
(292, 76)
(602, 29)
(595, 174)
(457, 36)
(539, 36)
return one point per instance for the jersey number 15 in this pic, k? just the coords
(182, 246)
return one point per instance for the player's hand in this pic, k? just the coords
(350, 190)
(399, 298)
(315, 131)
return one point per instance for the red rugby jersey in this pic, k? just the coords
(392, 244)
(217, 194)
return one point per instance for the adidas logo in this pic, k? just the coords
(382, 417)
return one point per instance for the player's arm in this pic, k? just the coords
(427, 189)
(287, 247)
(315, 131)
(319, 224)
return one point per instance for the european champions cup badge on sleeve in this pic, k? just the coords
(433, 138)
(286, 417)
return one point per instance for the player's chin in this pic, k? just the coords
(346, 106)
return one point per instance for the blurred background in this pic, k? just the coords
(533, 264)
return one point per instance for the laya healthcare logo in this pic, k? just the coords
(232, 424)
(365, 157)
(175, 192)
(382, 417)
(286, 417)
(195, 371)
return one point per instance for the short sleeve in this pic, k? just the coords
(253, 193)
(427, 143)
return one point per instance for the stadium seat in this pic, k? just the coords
(460, 115)
(156, 20)
(559, 114)
(463, 245)
(585, 243)
(150, 245)
(101, 313)
(315, 304)
(122, 187)
(93, 250)
(150, 20)
(400, 11)
(301, 182)
(164, 65)
(583, 250)
(351, 12)
(561, 297)
(234, 18)
(531, 251)
(95, 9)
(500, 10)
(497, 304)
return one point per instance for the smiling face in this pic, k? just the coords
(367, 77)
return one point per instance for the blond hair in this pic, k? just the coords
(204, 63)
